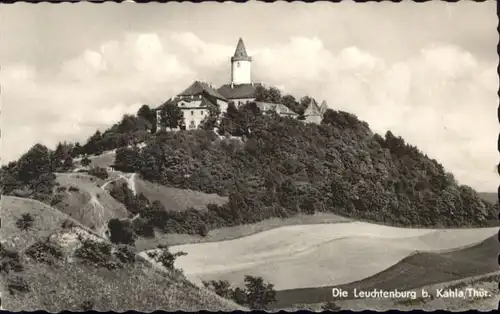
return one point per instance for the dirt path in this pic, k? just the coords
(128, 177)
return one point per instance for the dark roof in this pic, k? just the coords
(198, 88)
(205, 103)
(278, 108)
(240, 54)
(238, 91)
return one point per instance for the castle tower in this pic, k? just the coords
(241, 65)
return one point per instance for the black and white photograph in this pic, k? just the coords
(228, 156)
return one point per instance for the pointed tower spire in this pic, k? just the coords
(240, 54)
(324, 107)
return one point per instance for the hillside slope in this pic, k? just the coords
(69, 282)
(283, 167)
(173, 199)
(417, 270)
(47, 221)
(86, 202)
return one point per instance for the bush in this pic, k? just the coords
(167, 259)
(17, 284)
(73, 189)
(44, 252)
(330, 306)
(125, 254)
(9, 260)
(222, 288)
(68, 224)
(99, 172)
(85, 161)
(121, 232)
(25, 222)
(97, 254)
(87, 305)
(257, 294)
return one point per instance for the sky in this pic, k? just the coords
(425, 71)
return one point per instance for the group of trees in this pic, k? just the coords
(284, 167)
(256, 295)
(31, 175)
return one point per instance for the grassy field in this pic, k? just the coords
(177, 199)
(231, 233)
(69, 284)
(105, 160)
(332, 254)
(417, 270)
(47, 220)
(86, 202)
(139, 287)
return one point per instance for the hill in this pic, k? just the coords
(57, 278)
(47, 221)
(173, 199)
(85, 201)
(282, 167)
(417, 270)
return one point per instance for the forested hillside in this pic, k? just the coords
(278, 167)
(268, 166)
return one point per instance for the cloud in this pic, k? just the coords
(441, 99)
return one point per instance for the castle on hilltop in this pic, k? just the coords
(197, 100)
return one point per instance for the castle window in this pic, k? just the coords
(237, 64)
(192, 112)
(202, 112)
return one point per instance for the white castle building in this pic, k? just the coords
(196, 100)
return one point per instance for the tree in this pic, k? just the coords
(329, 117)
(330, 306)
(34, 163)
(128, 159)
(25, 222)
(259, 294)
(67, 164)
(274, 95)
(210, 121)
(291, 103)
(261, 93)
(85, 161)
(171, 117)
(77, 150)
(94, 144)
(121, 232)
(222, 288)
(146, 113)
(99, 172)
(167, 259)
(128, 124)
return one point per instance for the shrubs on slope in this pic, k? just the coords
(44, 252)
(25, 222)
(10, 260)
(257, 294)
(99, 172)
